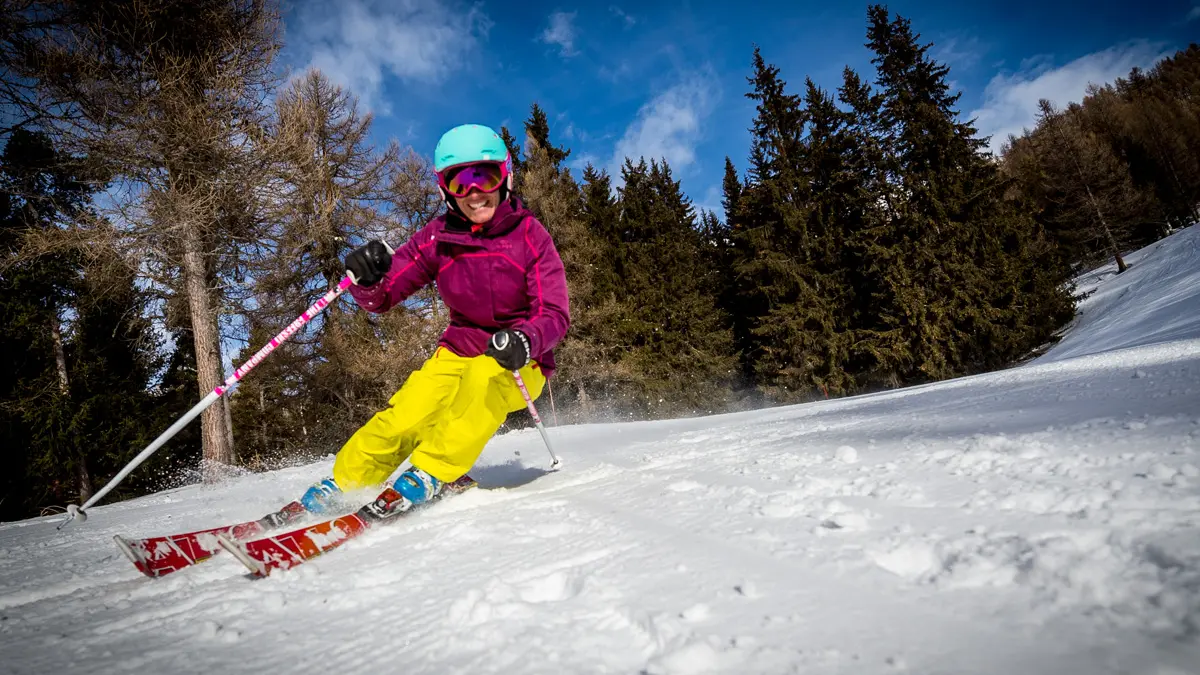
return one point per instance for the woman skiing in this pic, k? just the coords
(499, 274)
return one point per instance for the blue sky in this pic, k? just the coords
(667, 79)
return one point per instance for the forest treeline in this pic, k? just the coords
(169, 202)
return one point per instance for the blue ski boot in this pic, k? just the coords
(322, 497)
(417, 487)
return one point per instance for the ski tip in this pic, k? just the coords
(123, 544)
(255, 567)
(127, 548)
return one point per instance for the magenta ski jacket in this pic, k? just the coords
(504, 274)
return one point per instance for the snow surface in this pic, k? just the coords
(1042, 519)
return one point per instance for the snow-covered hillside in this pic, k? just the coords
(1043, 519)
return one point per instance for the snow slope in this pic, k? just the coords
(1043, 519)
(1147, 306)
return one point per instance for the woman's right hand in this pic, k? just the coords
(366, 265)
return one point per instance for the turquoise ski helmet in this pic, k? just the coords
(466, 144)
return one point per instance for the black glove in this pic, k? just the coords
(510, 348)
(367, 265)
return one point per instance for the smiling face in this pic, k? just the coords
(479, 207)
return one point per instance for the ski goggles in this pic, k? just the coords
(486, 177)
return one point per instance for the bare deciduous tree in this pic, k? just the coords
(330, 190)
(1099, 184)
(169, 98)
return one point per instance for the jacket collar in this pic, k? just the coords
(458, 230)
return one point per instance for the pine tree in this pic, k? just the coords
(112, 355)
(537, 127)
(39, 190)
(601, 214)
(677, 345)
(864, 200)
(514, 150)
(75, 392)
(1156, 134)
(720, 248)
(931, 156)
(762, 243)
(949, 233)
(789, 336)
(586, 374)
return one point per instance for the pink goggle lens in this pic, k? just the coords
(485, 177)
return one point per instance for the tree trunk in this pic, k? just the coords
(227, 409)
(85, 481)
(64, 385)
(1112, 241)
(218, 447)
(60, 355)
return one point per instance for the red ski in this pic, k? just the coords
(286, 550)
(158, 556)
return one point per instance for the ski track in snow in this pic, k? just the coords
(1041, 519)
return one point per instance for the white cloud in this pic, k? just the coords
(358, 42)
(577, 162)
(616, 73)
(959, 52)
(561, 32)
(629, 20)
(1010, 101)
(1194, 14)
(667, 127)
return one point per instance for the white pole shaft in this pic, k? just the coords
(150, 449)
(537, 420)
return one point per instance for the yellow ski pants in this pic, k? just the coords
(441, 418)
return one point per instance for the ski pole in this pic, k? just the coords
(80, 512)
(555, 461)
(499, 342)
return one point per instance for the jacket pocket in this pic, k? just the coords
(510, 298)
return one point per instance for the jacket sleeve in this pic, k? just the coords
(546, 284)
(412, 269)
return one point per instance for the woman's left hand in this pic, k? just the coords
(510, 348)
